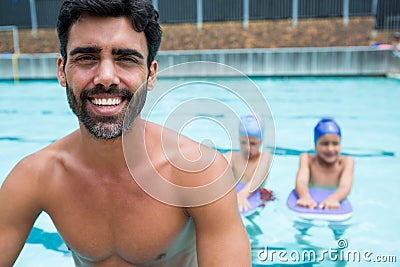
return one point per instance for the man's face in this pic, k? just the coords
(106, 67)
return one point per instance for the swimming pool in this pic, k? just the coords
(34, 114)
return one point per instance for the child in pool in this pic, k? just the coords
(250, 166)
(327, 168)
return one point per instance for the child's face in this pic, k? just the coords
(250, 146)
(328, 148)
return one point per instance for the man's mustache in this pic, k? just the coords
(111, 91)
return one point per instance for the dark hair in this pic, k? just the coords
(141, 13)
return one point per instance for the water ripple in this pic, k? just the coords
(357, 153)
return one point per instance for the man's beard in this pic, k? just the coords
(105, 127)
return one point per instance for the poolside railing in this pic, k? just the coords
(316, 61)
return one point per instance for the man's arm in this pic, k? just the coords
(18, 211)
(220, 234)
(302, 180)
(229, 156)
(344, 188)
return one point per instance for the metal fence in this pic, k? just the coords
(43, 13)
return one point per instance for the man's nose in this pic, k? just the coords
(107, 74)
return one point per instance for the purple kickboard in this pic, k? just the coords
(318, 195)
(254, 200)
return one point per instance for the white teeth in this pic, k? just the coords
(106, 101)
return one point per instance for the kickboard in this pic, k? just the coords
(255, 201)
(343, 213)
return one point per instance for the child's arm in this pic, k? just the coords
(261, 173)
(345, 183)
(258, 178)
(302, 180)
(242, 196)
(243, 204)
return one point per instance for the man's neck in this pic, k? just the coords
(109, 153)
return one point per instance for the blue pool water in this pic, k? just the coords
(34, 114)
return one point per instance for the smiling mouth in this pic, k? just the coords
(106, 102)
(107, 106)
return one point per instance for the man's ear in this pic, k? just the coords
(151, 80)
(60, 72)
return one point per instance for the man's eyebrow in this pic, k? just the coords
(127, 52)
(84, 50)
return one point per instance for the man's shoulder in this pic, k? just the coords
(184, 148)
(38, 162)
(43, 160)
(204, 159)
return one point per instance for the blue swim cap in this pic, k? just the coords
(326, 126)
(251, 125)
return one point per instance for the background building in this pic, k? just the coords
(225, 24)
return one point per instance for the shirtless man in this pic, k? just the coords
(250, 166)
(83, 182)
(326, 169)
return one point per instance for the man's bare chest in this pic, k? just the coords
(110, 219)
